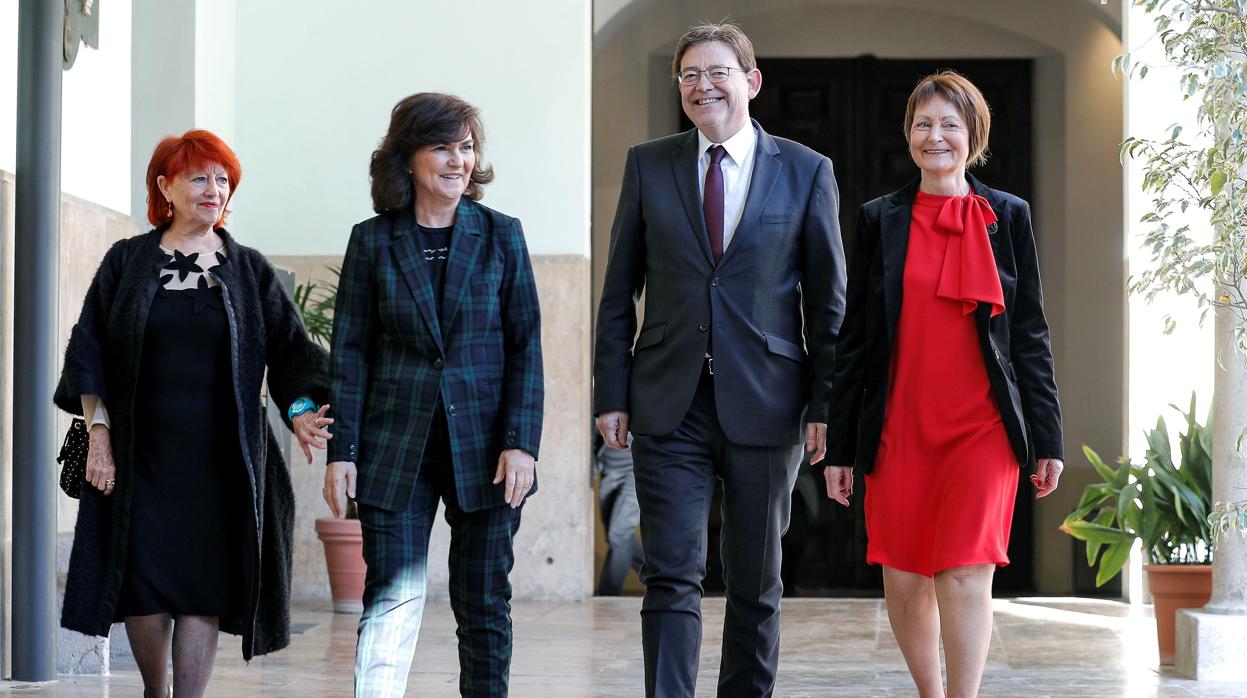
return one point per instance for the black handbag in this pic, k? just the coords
(73, 458)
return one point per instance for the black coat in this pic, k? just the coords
(1014, 344)
(103, 358)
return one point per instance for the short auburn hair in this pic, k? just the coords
(193, 150)
(424, 119)
(967, 99)
(707, 32)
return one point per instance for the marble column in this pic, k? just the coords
(1212, 641)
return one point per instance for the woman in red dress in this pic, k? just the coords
(939, 398)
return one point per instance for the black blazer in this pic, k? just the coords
(771, 307)
(1015, 343)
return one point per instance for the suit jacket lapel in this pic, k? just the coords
(894, 239)
(767, 165)
(465, 244)
(684, 169)
(411, 265)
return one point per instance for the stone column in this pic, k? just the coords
(1212, 641)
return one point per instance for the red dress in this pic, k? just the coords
(942, 489)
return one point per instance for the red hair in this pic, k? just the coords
(193, 150)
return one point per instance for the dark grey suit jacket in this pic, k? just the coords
(773, 304)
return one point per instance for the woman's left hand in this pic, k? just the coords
(311, 428)
(517, 467)
(1047, 474)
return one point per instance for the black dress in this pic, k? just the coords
(190, 482)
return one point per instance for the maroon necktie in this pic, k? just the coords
(712, 201)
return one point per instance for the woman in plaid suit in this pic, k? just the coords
(437, 391)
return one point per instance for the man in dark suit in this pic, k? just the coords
(732, 234)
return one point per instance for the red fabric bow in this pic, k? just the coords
(969, 273)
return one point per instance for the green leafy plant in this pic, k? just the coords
(1227, 517)
(315, 301)
(1164, 504)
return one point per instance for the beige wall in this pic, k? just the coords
(1077, 125)
(87, 231)
(554, 548)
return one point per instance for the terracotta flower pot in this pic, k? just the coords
(1174, 587)
(344, 557)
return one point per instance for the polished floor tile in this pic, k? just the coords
(1060, 647)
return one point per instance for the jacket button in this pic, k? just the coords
(714, 281)
(438, 363)
(451, 410)
(511, 433)
(703, 327)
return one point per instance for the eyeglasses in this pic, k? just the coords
(715, 74)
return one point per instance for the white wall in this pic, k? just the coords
(8, 85)
(95, 136)
(314, 90)
(216, 72)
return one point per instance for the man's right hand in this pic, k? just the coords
(339, 484)
(613, 426)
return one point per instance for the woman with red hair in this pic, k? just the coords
(187, 528)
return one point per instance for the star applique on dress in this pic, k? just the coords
(165, 280)
(184, 264)
(203, 295)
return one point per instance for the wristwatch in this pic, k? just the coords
(299, 406)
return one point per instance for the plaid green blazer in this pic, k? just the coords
(393, 352)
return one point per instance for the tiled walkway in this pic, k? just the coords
(831, 647)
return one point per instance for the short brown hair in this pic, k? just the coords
(425, 118)
(705, 33)
(963, 95)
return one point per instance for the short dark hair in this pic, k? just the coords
(963, 95)
(423, 119)
(707, 32)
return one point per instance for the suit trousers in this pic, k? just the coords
(675, 477)
(396, 548)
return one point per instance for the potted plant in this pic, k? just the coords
(344, 559)
(343, 539)
(1163, 504)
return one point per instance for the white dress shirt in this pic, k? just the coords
(737, 169)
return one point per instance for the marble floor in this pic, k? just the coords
(831, 647)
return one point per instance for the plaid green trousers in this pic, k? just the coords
(396, 547)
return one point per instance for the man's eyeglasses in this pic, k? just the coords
(715, 74)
